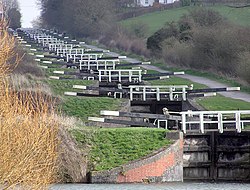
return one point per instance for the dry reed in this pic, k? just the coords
(28, 130)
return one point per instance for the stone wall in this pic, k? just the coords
(164, 165)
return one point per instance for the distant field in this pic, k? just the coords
(156, 20)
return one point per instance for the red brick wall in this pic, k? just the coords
(161, 166)
(155, 169)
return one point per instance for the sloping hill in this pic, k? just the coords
(156, 20)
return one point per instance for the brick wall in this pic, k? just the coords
(165, 165)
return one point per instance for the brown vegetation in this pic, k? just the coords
(28, 130)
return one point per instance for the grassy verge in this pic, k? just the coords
(117, 146)
(221, 103)
(177, 81)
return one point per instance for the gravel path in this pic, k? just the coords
(208, 82)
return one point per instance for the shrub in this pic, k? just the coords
(216, 48)
(244, 66)
(205, 17)
(154, 41)
(177, 53)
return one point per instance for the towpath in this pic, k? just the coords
(202, 80)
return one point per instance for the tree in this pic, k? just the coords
(14, 18)
(12, 13)
(79, 17)
(9, 4)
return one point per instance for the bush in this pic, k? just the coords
(178, 53)
(154, 42)
(216, 48)
(206, 17)
(204, 40)
(244, 66)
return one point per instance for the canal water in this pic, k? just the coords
(165, 186)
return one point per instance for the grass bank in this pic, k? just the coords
(114, 147)
(81, 107)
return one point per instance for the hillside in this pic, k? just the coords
(156, 20)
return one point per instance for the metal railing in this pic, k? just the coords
(202, 120)
(174, 92)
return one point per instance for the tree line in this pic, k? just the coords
(204, 40)
(12, 13)
(82, 17)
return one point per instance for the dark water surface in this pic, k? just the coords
(166, 186)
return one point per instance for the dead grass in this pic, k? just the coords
(28, 130)
(27, 82)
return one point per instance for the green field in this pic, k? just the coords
(117, 146)
(155, 21)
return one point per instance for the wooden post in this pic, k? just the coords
(238, 122)
(100, 76)
(158, 95)
(202, 122)
(131, 93)
(184, 96)
(144, 94)
(183, 120)
(130, 75)
(220, 123)
(170, 93)
(120, 77)
(110, 75)
(140, 76)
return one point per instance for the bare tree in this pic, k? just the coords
(10, 4)
(10, 10)
(78, 17)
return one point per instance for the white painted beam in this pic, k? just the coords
(81, 87)
(40, 56)
(54, 77)
(179, 73)
(122, 57)
(59, 72)
(210, 94)
(109, 113)
(47, 62)
(70, 93)
(42, 66)
(96, 119)
(233, 88)
(146, 63)
(164, 77)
